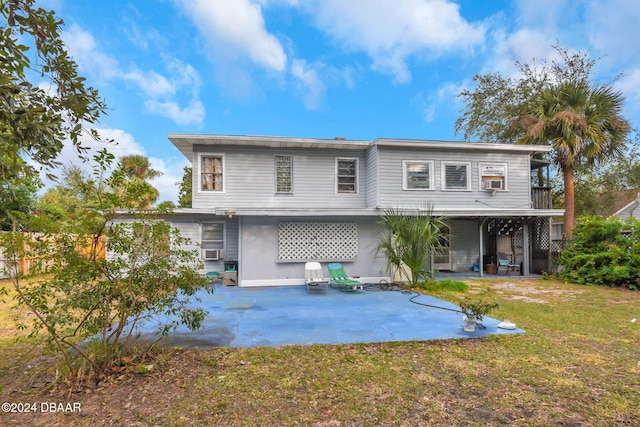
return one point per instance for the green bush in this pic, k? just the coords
(603, 252)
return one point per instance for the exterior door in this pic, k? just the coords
(442, 261)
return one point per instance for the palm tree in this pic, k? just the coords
(409, 239)
(135, 191)
(138, 165)
(583, 124)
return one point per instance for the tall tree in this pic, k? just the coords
(131, 182)
(598, 186)
(137, 165)
(582, 123)
(184, 195)
(553, 103)
(43, 100)
(75, 192)
(17, 200)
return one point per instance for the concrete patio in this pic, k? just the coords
(278, 316)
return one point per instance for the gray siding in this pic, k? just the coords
(249, 179)
(465, 248)
(259, 252)
(391, 193)
(632, 211)
(189, 226)
(371, 177)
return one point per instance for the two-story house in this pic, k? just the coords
(273, 203)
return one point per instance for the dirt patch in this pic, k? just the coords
(523, 291)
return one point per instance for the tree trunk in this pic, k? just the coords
(569, 201)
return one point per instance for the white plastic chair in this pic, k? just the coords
(314, 279)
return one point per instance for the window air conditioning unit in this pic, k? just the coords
(212, 254)
(493, 184)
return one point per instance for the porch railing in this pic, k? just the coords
(541, 197)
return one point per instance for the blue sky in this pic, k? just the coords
(359, 69)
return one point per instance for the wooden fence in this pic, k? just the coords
(26, 264)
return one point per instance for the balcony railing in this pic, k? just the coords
(541, 197)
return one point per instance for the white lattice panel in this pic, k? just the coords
(324, 241)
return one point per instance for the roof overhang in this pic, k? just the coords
(459, 145)
(185, 142)
(231, 211)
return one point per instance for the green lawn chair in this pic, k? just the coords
(503, 261)
(340, 278)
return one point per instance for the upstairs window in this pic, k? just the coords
(417, 175)
(211, 173)
(346, 175)
(284, 174)
(493, 176)
(456, 176)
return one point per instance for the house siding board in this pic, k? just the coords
(259, 257)
(392, 195)
(630, 211)
(189, 226)
(250, 179)
(371, 177)
(464, 244)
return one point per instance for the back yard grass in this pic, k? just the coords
(578, 364)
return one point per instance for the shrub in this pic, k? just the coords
(603, 252)
(151, 272)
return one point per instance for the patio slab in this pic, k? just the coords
(278, 316)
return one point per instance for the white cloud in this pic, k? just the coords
(612, 28)
(124, 144)
(312, 80)
(309, 83)
(151, 83)
(391, 32)
(546, 14)
(629, 85)
(161, 92)
(235, 29)
(167, 184)
(86, 54)
(523, 45)
(430, 104)
(192, 114)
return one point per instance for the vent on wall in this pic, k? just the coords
(212, 254)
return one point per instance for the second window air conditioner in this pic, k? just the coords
(212, 254)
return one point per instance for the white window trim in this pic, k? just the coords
(357, 173)
(224, 174)
(275, 174)
(443, 176)
(506, 174)
(405, 183)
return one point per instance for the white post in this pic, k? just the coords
(525, 246)
(480, 260)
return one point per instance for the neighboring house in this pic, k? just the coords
(626, 204)
(271, 203)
